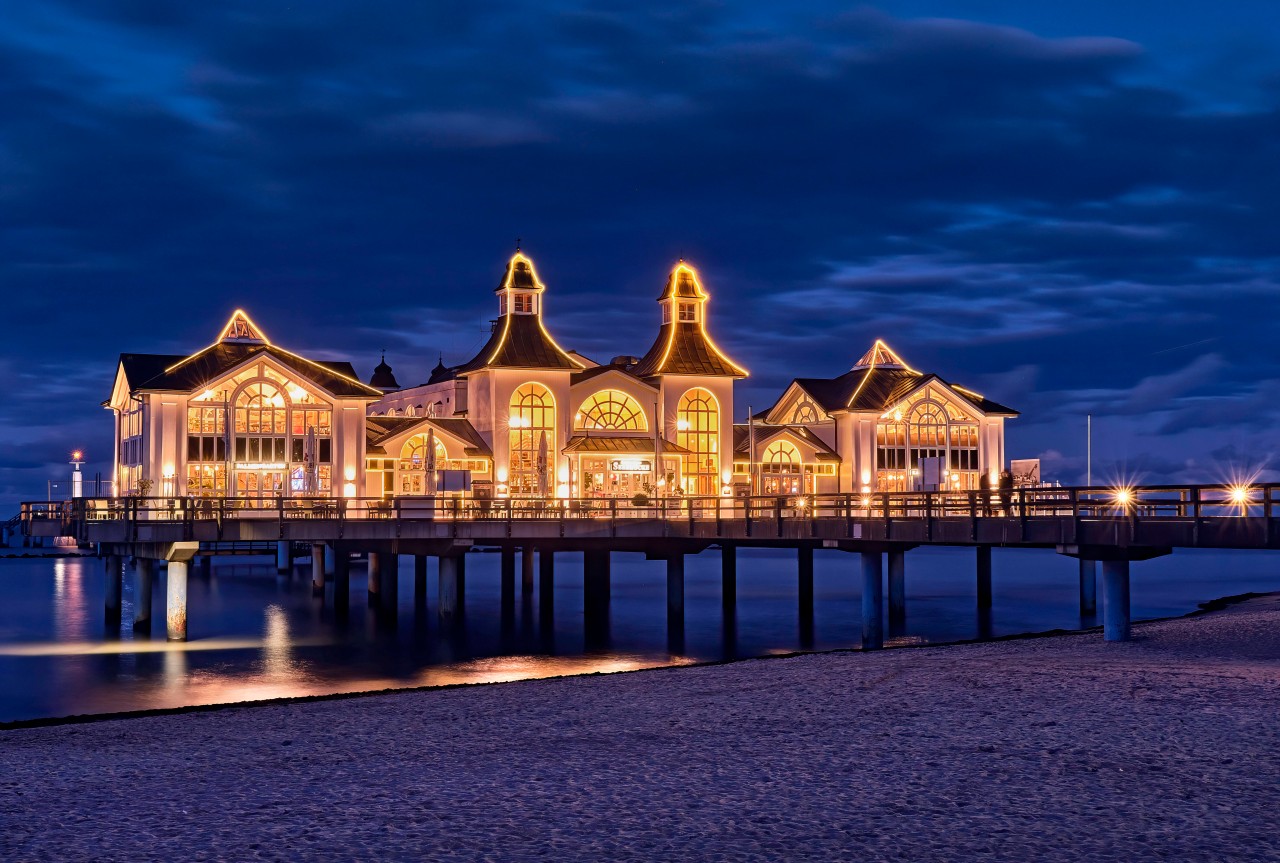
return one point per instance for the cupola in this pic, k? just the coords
(383, 378)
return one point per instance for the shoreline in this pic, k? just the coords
(1202, 608)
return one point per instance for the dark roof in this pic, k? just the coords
(682, 348)
(383, 378)
(596, 371)
(186, 374)
(519, 342)
(442, 373)
(380, 429)
(519, 274)
(765, 433)
(683, 283)
(878, 389)
(596, 443)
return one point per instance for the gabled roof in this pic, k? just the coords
(596, 371)
(381, 429)
(164, 373)
(766, 433)
(685, 347)
(519, 342)
(865, 389)
(620, 444)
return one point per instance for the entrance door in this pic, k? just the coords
(259, 488)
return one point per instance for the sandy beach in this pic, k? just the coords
(1059, 748)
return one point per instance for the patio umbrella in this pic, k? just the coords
(657, 449)
(542, 465)
(430, 463)
(310, 462)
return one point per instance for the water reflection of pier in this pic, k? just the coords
(1114, 527)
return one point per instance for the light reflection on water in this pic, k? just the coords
(258, 636)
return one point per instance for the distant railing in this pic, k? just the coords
(1141, 502)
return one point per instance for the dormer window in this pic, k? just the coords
(523, 304)
(688, 312)
(666, 313)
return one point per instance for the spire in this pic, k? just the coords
(240, 330)
(881, 356)
(383, 378)
(683, 346)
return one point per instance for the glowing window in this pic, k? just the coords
(698, 430)
(531, 434)
(611, 409)
(688, 312)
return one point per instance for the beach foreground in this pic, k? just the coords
(1061, 748)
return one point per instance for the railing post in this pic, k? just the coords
(777, 513)
(928, 516)
(613, 516)
(746, 511)
(564, 506)
(1195, 515)
(887, 524)
(719, 529)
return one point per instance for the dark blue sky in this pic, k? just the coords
(1071, 207)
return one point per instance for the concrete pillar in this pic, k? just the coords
(1115, 600)
(420, 580)
(375, 573)
(448, 584)
(872, 601)
(729, 576)
(389, 597)
(1088, 587)
(176, 601)
(984, 576)
(804, 560)
(317, 567)
(284, 557)
(115, 586)
(897, 585)
(546, 564)
(508, 575)
(329, 560)
(546, 594)
(143, 581)
(342, 582)
(595, 578)
(675, 588)
(526, 569)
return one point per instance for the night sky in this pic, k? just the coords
(1069, 207)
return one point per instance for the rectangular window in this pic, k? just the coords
(502, 305)
(524, 304)
(326, 450)
(688, 312)
(666, 313)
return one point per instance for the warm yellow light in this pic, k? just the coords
(682, 424)
(701, 321)
(726, 491)
(169, 472)
(349, 489)
(1124, 496)
(563, 474)
(207, 396)
(866, 502)
(562, 490)
(801, 502)
(298, 394)
(1240, 494)
(866, 477)
(725, 476)
(349, 473)
(77, 455)
(502, 474)
(866, 488)
(897, 416)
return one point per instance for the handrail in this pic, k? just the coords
(762, 514)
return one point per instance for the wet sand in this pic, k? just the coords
(1061, 748)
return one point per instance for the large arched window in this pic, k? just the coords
(698, 430)
(531, 421)
(612, 410)
(262, 422)
(782, 468)
(413, 464)
(928, 428)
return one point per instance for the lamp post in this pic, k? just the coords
(77, 478)
(50, 485)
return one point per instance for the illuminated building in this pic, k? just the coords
(242, 418)
(881, 426)
(524, 418)
(553, 423)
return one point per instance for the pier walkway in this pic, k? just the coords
(1111, 526)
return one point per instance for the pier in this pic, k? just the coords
(1112, 527)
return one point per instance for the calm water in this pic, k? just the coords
(256, 635)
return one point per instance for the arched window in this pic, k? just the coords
(613, 410)
(928, 429)
(805, 413)
(413, 464)
(531, 421)
(782, 469)
(261, 424)
(698, 430)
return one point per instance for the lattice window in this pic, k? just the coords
(611, 409)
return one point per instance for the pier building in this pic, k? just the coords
(525, 418)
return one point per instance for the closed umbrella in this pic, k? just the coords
(310, 462)
(542, 465)
(430, 463)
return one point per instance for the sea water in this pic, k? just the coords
(256, 635)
